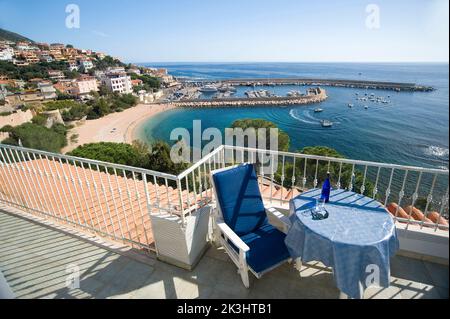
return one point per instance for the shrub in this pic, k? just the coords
(38, 137)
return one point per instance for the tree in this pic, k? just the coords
(38, 137)
(118, 153)
(76, 112)
(159, 159)
(39, 120)
(149, 82)
(283, 138)
(322, 168)
(99, 109)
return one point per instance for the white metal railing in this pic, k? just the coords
(108, 199)
(414, 190)
(116, 201)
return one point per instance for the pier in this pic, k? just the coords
(314, 96)
(360, 84)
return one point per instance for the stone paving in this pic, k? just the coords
(38, 261)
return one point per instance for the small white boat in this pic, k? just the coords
(319, 110)
(350, 105)
(326, 123)
(366, 107)
(208, 89)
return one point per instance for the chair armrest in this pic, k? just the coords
(231, 235)
(280, 218)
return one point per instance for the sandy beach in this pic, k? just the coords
(116, 127)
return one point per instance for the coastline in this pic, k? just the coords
(116, 127)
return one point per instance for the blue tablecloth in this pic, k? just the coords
(358, 234)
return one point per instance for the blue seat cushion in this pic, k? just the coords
(240, 199)
(267, 248)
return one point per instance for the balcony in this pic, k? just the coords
(123, 227)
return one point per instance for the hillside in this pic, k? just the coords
(6, 35)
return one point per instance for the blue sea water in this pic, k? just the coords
(412, 130)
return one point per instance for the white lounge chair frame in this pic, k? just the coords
(223, 233)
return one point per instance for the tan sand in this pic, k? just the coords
(116, 127)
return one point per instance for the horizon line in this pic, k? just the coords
(311, 62)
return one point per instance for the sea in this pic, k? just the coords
(412, 129)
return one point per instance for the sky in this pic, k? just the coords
(241, 30)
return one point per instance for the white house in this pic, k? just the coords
(118, 82)
(116, 69)
(73, 66)
(85, 85)
(86, 65)
(6, 54)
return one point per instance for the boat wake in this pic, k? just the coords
(306, 117)
(437, 152)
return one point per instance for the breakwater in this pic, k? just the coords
(360, 84)
(315, 96)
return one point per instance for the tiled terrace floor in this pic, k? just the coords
(34, 259)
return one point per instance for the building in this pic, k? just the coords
(6, 54)
(56, 75)
(46, 58)
(43, 46)
(58, 46)
(65, 87)
(20, 62)
(21, 98)
(117, 69)
(136, 82)
(85, 85)
(25, 46)
(86, 65)
(48, 92)
(118, 82)
(56, 54)
(73, 66)
(29, 56)
(100, 55)
(135, 71)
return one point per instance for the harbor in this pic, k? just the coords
(360, 84)
(316, 95)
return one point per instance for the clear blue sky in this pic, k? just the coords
(240, 30)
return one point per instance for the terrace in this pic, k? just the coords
(134, 233)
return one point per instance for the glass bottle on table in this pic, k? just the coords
(326, 189)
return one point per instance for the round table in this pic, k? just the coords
(356, 240)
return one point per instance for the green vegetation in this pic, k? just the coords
(109, 104)
(159, 159)
(39, 120)
(322, 168)
(101, 105)
(5, 113)
(38, 70)
(118, 153)
(39, 137)
(283, 138)
(107, 62)
(6, 35)
(60, 105)
(70, 110)
(150, 83)
(156, 157)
